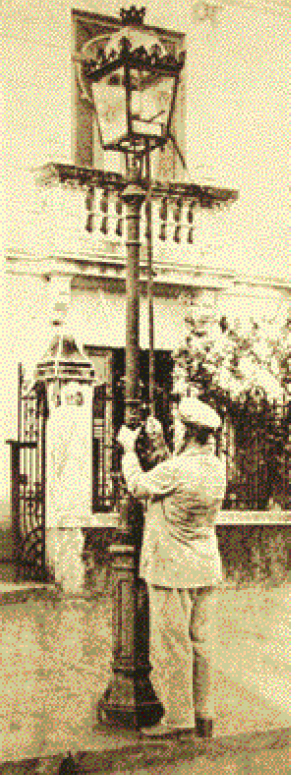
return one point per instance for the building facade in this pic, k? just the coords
(65, 276)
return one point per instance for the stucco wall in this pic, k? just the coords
(236, 135)
(236, 114)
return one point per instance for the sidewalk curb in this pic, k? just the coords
(185, 748)
(149, 752)
(20, 593)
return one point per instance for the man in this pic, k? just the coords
(181, 564)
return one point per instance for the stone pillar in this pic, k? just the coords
(68, 376)
(69, 480)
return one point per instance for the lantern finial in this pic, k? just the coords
(132, 16)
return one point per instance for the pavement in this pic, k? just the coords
(56, 655)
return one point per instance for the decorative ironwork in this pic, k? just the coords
(132, 16)
(125, 48)
(103, 494)
(137, 58)
(28, 481)
(32, 551)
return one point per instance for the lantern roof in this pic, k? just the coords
(136, 45)
(64, 361)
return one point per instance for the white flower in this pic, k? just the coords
(224, 378)
(247, 367)
(262, 350)
(236, 387)
(275, 367)
(270, 384)
(220, 343)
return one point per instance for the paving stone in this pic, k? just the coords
(56, 655)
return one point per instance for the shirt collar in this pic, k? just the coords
(193, 449)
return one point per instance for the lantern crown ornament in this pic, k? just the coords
(132, 16)
(134, 82)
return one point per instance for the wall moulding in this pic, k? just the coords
(85, 266)
(207, 10)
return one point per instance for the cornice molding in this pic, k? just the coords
(108, 267)
(73, 177)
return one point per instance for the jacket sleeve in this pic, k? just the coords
(141, 484)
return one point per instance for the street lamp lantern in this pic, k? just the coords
(134, 87)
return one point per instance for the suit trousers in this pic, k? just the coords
(182, 638)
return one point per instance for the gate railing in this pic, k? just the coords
(28, 482)
(257, 447)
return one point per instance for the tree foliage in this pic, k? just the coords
(234, 359)
(240, 363)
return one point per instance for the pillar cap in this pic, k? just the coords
(64, 361)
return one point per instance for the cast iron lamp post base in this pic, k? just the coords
(129, 699)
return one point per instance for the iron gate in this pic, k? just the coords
(28, 481)
(257, 449)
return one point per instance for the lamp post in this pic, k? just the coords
(134, 85)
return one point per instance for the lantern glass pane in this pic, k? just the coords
(110, 103)
(151, 98)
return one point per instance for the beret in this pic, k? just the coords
(192, 411)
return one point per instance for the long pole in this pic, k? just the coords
(134, 197)
(150, 286)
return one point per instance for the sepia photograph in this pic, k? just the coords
(145, 515)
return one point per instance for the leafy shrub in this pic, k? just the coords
(253, 553)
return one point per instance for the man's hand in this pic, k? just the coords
(127, 438)
(153, 427)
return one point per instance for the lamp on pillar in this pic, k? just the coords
(68, 377)
(134, 83)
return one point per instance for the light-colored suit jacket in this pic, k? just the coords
(185, 495)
